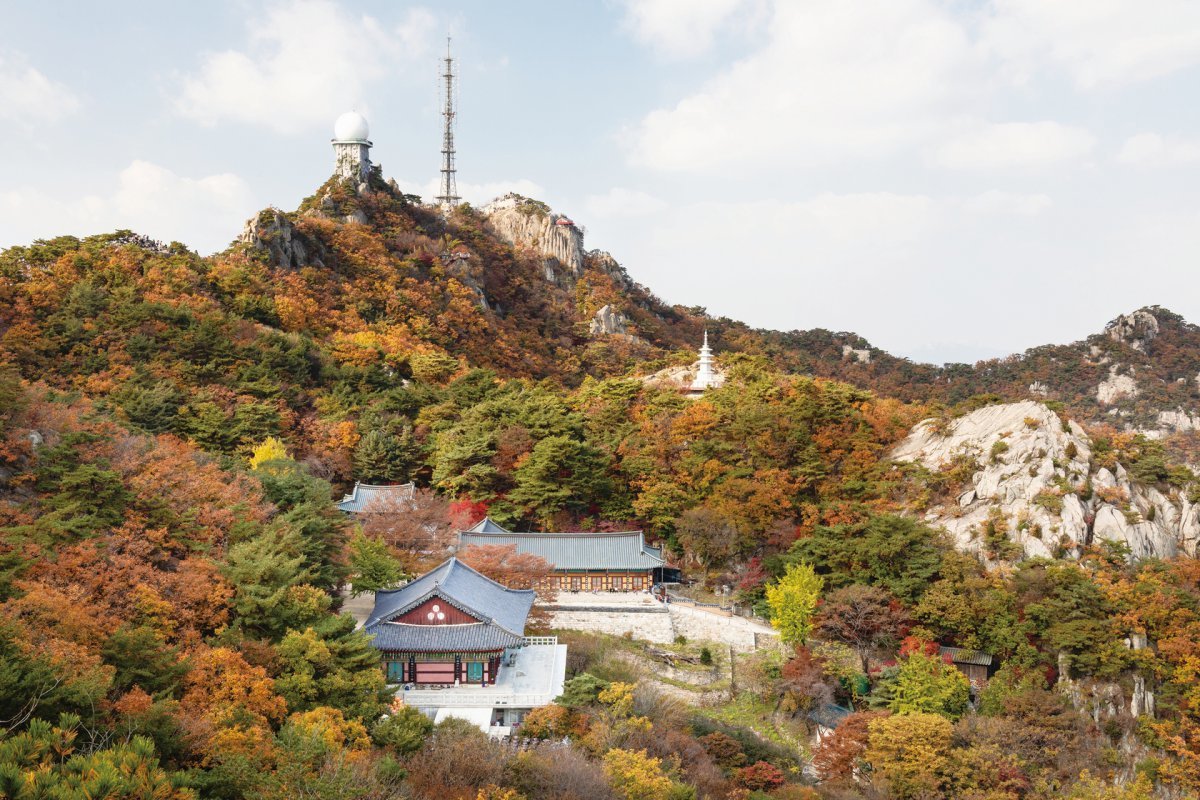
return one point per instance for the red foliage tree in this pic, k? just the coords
(760, 776)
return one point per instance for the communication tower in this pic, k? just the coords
(449, 198)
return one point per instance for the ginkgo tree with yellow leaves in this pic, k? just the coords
(793, 602)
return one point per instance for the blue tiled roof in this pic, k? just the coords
(486, 525)
(575, 551)
(367, 498)
(501, 612)
(482, 636)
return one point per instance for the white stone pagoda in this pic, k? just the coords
(708, 374)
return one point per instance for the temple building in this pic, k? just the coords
(366, 498)
(455, 642)
(451, 625)
(594, 562)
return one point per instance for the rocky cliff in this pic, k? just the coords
(531, 224)
(1034, 485)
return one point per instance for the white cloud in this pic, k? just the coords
(29, 98)
(678, 28)
(204, 213)
(1153, 150)
(995, 201)
(835, 80)
(619, 202)
(1098, 42)
(1014, 144)
(306, 61)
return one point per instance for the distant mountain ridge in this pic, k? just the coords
(386, 284)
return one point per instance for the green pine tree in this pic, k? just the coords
(332, 664)
(383, 457)
(372, 565)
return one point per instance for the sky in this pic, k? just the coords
(952, 180)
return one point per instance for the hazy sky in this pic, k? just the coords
(952, 180)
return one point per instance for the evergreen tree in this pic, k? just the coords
(560, 474)
(142, 658)
(268, 576)
(892, 552)
(372, 565)
(332, 664)
(321, 532)
(42, 762)
(383, 457)
(154, 409)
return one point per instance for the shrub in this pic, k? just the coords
(760, 776)
(706, 657)
(404, 731)
(1049, 500)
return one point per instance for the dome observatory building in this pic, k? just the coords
(351, 147)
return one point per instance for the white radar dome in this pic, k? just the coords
(351, 127)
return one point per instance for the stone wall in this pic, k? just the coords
(661, 624)
(713, 626)
(652, 627)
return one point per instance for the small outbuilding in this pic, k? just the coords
(976, 665)
(368, 498)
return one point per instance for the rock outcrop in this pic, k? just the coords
(272, 231)
(1136, 330)
(1034, 483)
(1115, 387)
(862, 356)
(528, 223)
(608, 321)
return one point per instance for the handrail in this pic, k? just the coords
(532, 641)
(452, 698)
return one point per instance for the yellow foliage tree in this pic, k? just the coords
(618, 697)
(331, 726)
(637, 776)
(910, 753)
(792, 600)
(494, 792)
(270, 450)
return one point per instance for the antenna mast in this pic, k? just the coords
(449, 197)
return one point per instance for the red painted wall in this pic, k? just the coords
(420, 614)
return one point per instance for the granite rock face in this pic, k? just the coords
(1036, 479)
(1115, 387)
(608, 321)
(1136, 330)
(287, 247)
(527, 223)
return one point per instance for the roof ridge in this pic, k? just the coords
(462, 563)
